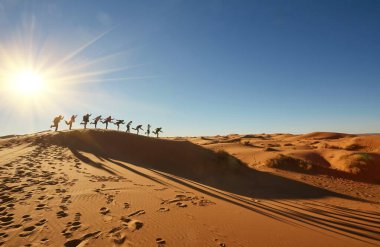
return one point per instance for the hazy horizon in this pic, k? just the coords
(192, 67)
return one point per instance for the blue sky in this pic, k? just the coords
(203, 67)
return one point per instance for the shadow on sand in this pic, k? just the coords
(222, 176)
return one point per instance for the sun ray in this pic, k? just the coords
(46, 80)
(76, 52)
(95, 61)
(120, 79)
(76, 78)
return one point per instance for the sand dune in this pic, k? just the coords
(337, 154)
(109, 188)
(325, 135)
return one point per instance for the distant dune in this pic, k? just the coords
(336, 154)
(110, 188)
(326, 135)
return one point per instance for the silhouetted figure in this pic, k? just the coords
(118, 122)
(96, 120)
(157, 131)
(85, 120)
(129, 126)
(71, 121)
(148, 130)
(138, 127)
(56, 121)
(107, 121)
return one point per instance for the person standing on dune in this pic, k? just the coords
(148, 130)
(118, 122)
(157, 131)
(71, 121)
(96, 120)
(138, 127)
(56, 122)
(85, 120)
(107, 120)
(129, 127)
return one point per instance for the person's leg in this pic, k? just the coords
(56, 127)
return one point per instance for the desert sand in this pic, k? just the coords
(110, 188)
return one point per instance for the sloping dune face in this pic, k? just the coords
(179, 157)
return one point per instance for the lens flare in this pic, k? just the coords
(27, 82)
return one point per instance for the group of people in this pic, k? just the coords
(106, 121)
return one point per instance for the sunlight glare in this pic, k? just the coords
(27, 82)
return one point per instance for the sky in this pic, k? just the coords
(194, 67)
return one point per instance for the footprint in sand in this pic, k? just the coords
(110, 198)
(26, 217)
(66, 198)
(131, 224)
(161, 189)
(138, 212)
(160, 242)
(104, 210)
(195, 200)
(6, 220)
(60, 190)
(203, 202)
(41, 222)
(3, 211)
(119, 236)
(27, 231)
(77, 216)
(82, 240)
(44, 241)
(72, 226)
(61, 214)
(163, 209)
(181, 204)
(41, 206)
(41, 198)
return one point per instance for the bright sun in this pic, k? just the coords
(27, 82)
